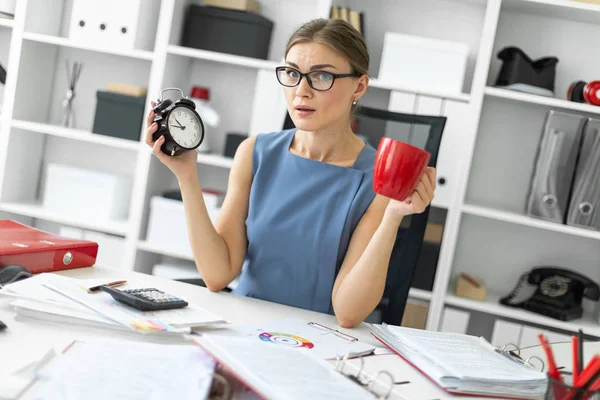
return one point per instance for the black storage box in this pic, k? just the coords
(119, 115)
(531, 76)
(227, 31)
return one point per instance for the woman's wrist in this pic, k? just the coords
(393, 218)
(185, 179)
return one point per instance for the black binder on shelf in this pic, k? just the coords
(585, 201)
(554, 169)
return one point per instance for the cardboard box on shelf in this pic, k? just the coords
(126, 89)
(242, 5)
(469, 287)
(415, 315)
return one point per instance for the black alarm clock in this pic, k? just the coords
(179, 123)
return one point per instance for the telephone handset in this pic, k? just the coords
(553, 292)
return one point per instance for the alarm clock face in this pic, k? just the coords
(185, 127)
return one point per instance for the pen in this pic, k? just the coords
(552, 370)
(576, 360)
(581, 350)
(96, 289)
(588, 377)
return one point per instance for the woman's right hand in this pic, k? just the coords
(183, 165)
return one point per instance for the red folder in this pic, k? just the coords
(40, 251)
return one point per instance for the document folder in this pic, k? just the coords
(555, 167)
(585, 201)
(464, 364)
(40, 251)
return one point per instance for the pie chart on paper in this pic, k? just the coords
(286, 339)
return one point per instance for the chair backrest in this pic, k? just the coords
(422, 131)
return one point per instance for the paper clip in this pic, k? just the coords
(363, 380)
(334, 331)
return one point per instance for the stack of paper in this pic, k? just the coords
(123, 369)
(60, 299)
(463, 364)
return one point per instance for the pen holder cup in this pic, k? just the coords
(565, 391)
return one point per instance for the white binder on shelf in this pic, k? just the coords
(585, 202)
(555, 167)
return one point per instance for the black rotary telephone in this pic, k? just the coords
(553, 292)
(179, 123)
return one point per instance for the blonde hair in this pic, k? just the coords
(339, 36)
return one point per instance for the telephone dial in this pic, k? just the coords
(553, 292)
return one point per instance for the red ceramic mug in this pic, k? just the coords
(398, 168)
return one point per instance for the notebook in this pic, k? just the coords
(463, 364)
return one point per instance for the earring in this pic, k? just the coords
(354, 103)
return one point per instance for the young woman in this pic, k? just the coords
(300, 223)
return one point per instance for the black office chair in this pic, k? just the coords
(422, 131)
(425, 132)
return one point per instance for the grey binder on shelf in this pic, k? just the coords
(555, 166)
(585, 201)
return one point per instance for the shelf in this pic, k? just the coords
(64, 42)
(165, 251)
(528, 221)
(85, 136)
(542, 100)
(419, 294)
(491, 306)
(376, 83)
(223, 57)
(215, 160)
(561, 9)
(7, 22)
(35, 210)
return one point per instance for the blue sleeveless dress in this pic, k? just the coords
(301, 216)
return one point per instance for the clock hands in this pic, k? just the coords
(179, 123)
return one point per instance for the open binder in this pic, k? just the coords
(285, 373)
(464, 364)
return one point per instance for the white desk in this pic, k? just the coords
(26, 339)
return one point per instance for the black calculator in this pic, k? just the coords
(147, 299)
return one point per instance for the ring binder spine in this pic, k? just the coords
(362, 379)
(554, 167)
(583, 211)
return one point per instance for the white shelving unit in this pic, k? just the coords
(63, 42)
(484, 164)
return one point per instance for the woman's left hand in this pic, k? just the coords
(418, 201)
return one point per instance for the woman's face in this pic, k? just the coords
(314, 110)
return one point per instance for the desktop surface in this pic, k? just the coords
(26, 339)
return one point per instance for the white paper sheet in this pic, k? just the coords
(297, 333)
(120, 370)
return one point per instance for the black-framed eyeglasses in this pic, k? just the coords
(318, 80)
